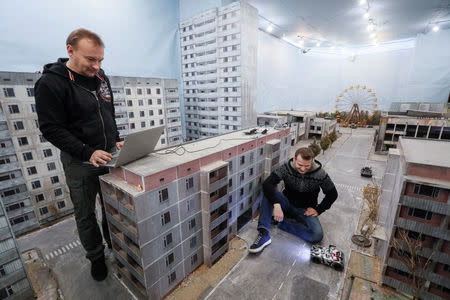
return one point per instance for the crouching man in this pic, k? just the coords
(297, 208)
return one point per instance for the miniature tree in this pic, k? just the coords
(409, 252)
(314, 146)
(325, 143)
(371, 194)
(333, 135)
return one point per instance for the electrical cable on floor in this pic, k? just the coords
(184, 150)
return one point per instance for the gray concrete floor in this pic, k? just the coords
(284, 270)
(63, 253)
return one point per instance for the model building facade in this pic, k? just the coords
(176, 209)
(219, 69)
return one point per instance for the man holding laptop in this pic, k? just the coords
(75, 108)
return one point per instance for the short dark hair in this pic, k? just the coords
(81, 33)
(305, 152)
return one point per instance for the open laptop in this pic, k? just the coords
(136, 145)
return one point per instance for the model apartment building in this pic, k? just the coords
(418, 120)
(219, 69)
(176, 209)
(14, 283)
(416, 200)
(30, 165)
(141, 103)
(32, 180)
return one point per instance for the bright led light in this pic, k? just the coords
(318, 44)
(362, 2)
(301, 42)
(269, 28)
(435, 28)
(373, 34)
(370, 27)
(366, 15)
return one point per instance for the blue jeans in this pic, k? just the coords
(294, 221)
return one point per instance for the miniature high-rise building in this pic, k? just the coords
(14, 283)
(219, 69)
(33, 185)
(176, 209)
(416, 201)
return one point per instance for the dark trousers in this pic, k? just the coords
(294, 221)
(82, 180)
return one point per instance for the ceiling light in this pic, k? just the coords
(362, 2)
(366, 15)
(269, 28)
(370, 27)
(373, 34)
(435, 28)
(301, 42)
(318, 44)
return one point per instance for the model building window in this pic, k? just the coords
(230, 182)
(47, 152)
(192, 223)
(194, 259)
(189, 183)
(13, 109)
(168, 240)
(172, 277)
(51, 166)
(165, 218)
(54, 179)
(43, 210)
(242, 177)
(169, 259)
(250, 172)
(32, 170)
(212, 174)
(61, 204)
(415, 235)
(39, 197)
(8, 92)
(241, 192)
(58, 192)
(18, 125)
(193, 242)
(163, 195)
(426, 190)
(35, 184)
(420, 213)
(242, 159)
(230, 166)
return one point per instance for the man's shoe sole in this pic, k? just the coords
(261, 248)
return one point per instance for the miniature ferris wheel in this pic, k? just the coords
(353, 101)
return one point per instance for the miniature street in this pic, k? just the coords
(282, 271)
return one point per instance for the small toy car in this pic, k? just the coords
(330, 256)
(366, 172)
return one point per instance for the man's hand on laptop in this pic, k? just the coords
(100, 157)
(119, 145)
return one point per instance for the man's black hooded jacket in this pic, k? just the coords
(73, 118)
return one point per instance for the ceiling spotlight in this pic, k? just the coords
(318, 44)
(362, 2)
(435, 28)
(370, 27)
(301, 42)
(269, 28)
(373, 35)
(366, 15)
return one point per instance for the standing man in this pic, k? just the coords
(297, 209)
(76, 114)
